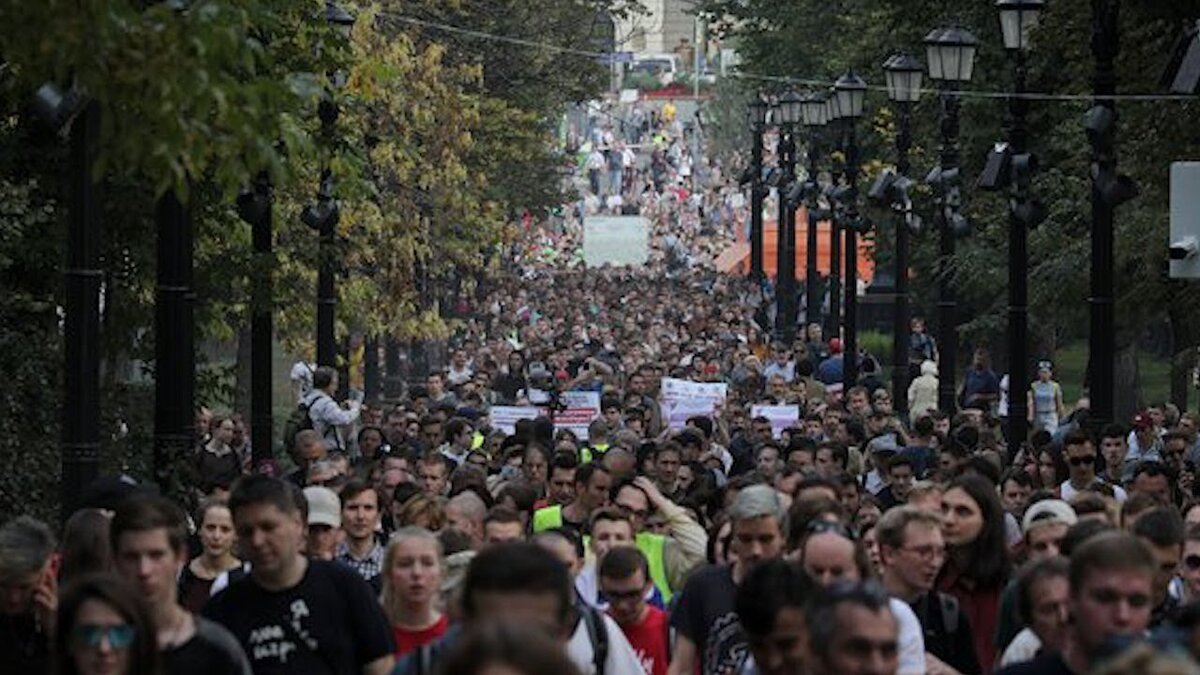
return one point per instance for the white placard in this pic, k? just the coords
(781, 416)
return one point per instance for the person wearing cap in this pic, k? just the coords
(881, 450)
(324, 522)
(829, 371)
(1045, 402)
(1144, 442)
(1044, 526)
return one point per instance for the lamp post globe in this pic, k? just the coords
(950, 54)
(904, 75)
(1018, 18)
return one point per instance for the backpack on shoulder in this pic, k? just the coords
(299, 420)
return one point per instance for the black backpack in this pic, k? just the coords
(296, 422)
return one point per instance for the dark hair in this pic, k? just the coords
(1030, 575)
(85, 545)
(1109, 551)
(1076, 437)
(364, 430)
(149, 512)
(980, 466)
(704, 424)
(498, 643)
(1114, 431)
(821, 615)
(119, 596)
(923, 426)
(323, 377)
(517, 567)
(523, 494)
(901, 460)
(987, 562)
(622, 562)
(1081, 532)
(456, 426)
(404, 492)
(355, 488)
(259, 489)
(802, 513)
(569, 535)
(584, 473)
(1018, 476)
(565, 460)
(501, 514)
(770, 587)
(1160, 527)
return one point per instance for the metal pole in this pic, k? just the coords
(785, 320)
(756, 207)
(372, 381)
(81, 317)
(947, 300)
(174, 340)
(812, 280)
(900, 318)
(1102, 338)
(262, 325)
(1018, 276)
(850, 360)
(327, 291)
(835, 274)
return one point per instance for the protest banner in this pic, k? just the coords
(781, 416)
(579, 408)
(505, 417)
(682, 399)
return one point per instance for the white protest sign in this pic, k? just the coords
(781, 416)
(578, 411)
(682, 399)
(505, 417)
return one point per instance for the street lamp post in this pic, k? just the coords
(757, 113)
(951, 61)
(1017, 20)
(903, 72)
(254, 207)
(851, 91)
(814, 112)
(789, 114)
(323, 215)
(834, 323)
(1109, 190)
(174, 338)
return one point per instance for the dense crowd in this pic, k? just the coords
(837, 535)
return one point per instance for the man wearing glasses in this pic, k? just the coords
(912, 550)
(1080, 455)
(625, 580)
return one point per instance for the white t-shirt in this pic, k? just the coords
(1068, 491)
(910, 639)
(1024, 647)
(621, 657)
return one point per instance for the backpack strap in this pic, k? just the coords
(597, 634)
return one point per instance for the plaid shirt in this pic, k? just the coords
(369, 567)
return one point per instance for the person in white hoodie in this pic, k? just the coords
(923, 391)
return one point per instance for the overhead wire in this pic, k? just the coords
(819, 83)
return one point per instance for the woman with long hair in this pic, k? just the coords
(104, 629)
(412, 578)
(977, 564)
(217, 538)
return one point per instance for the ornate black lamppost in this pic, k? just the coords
(851, 92)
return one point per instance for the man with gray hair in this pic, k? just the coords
(28, 593)
(705, 620)
(465, 512)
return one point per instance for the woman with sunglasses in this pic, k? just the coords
(103, 629)
(977, 564)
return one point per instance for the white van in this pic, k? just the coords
(663, 66)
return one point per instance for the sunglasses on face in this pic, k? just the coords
(617, 596)
(1192, 562)
(92, 635)
(1080, 461)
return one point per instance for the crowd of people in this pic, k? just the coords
(420, 536)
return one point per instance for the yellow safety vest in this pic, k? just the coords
(653, 546)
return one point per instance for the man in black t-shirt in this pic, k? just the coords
(291, 614)
(149, 543)
(708, 632)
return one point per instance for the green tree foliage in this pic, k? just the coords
(820, 40)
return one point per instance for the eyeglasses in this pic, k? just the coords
(1080, 461)
(929, 552)
(823, 526)
(617, 596)
(93, 635)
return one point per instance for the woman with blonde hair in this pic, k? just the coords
(412, 577)
(422, 511)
